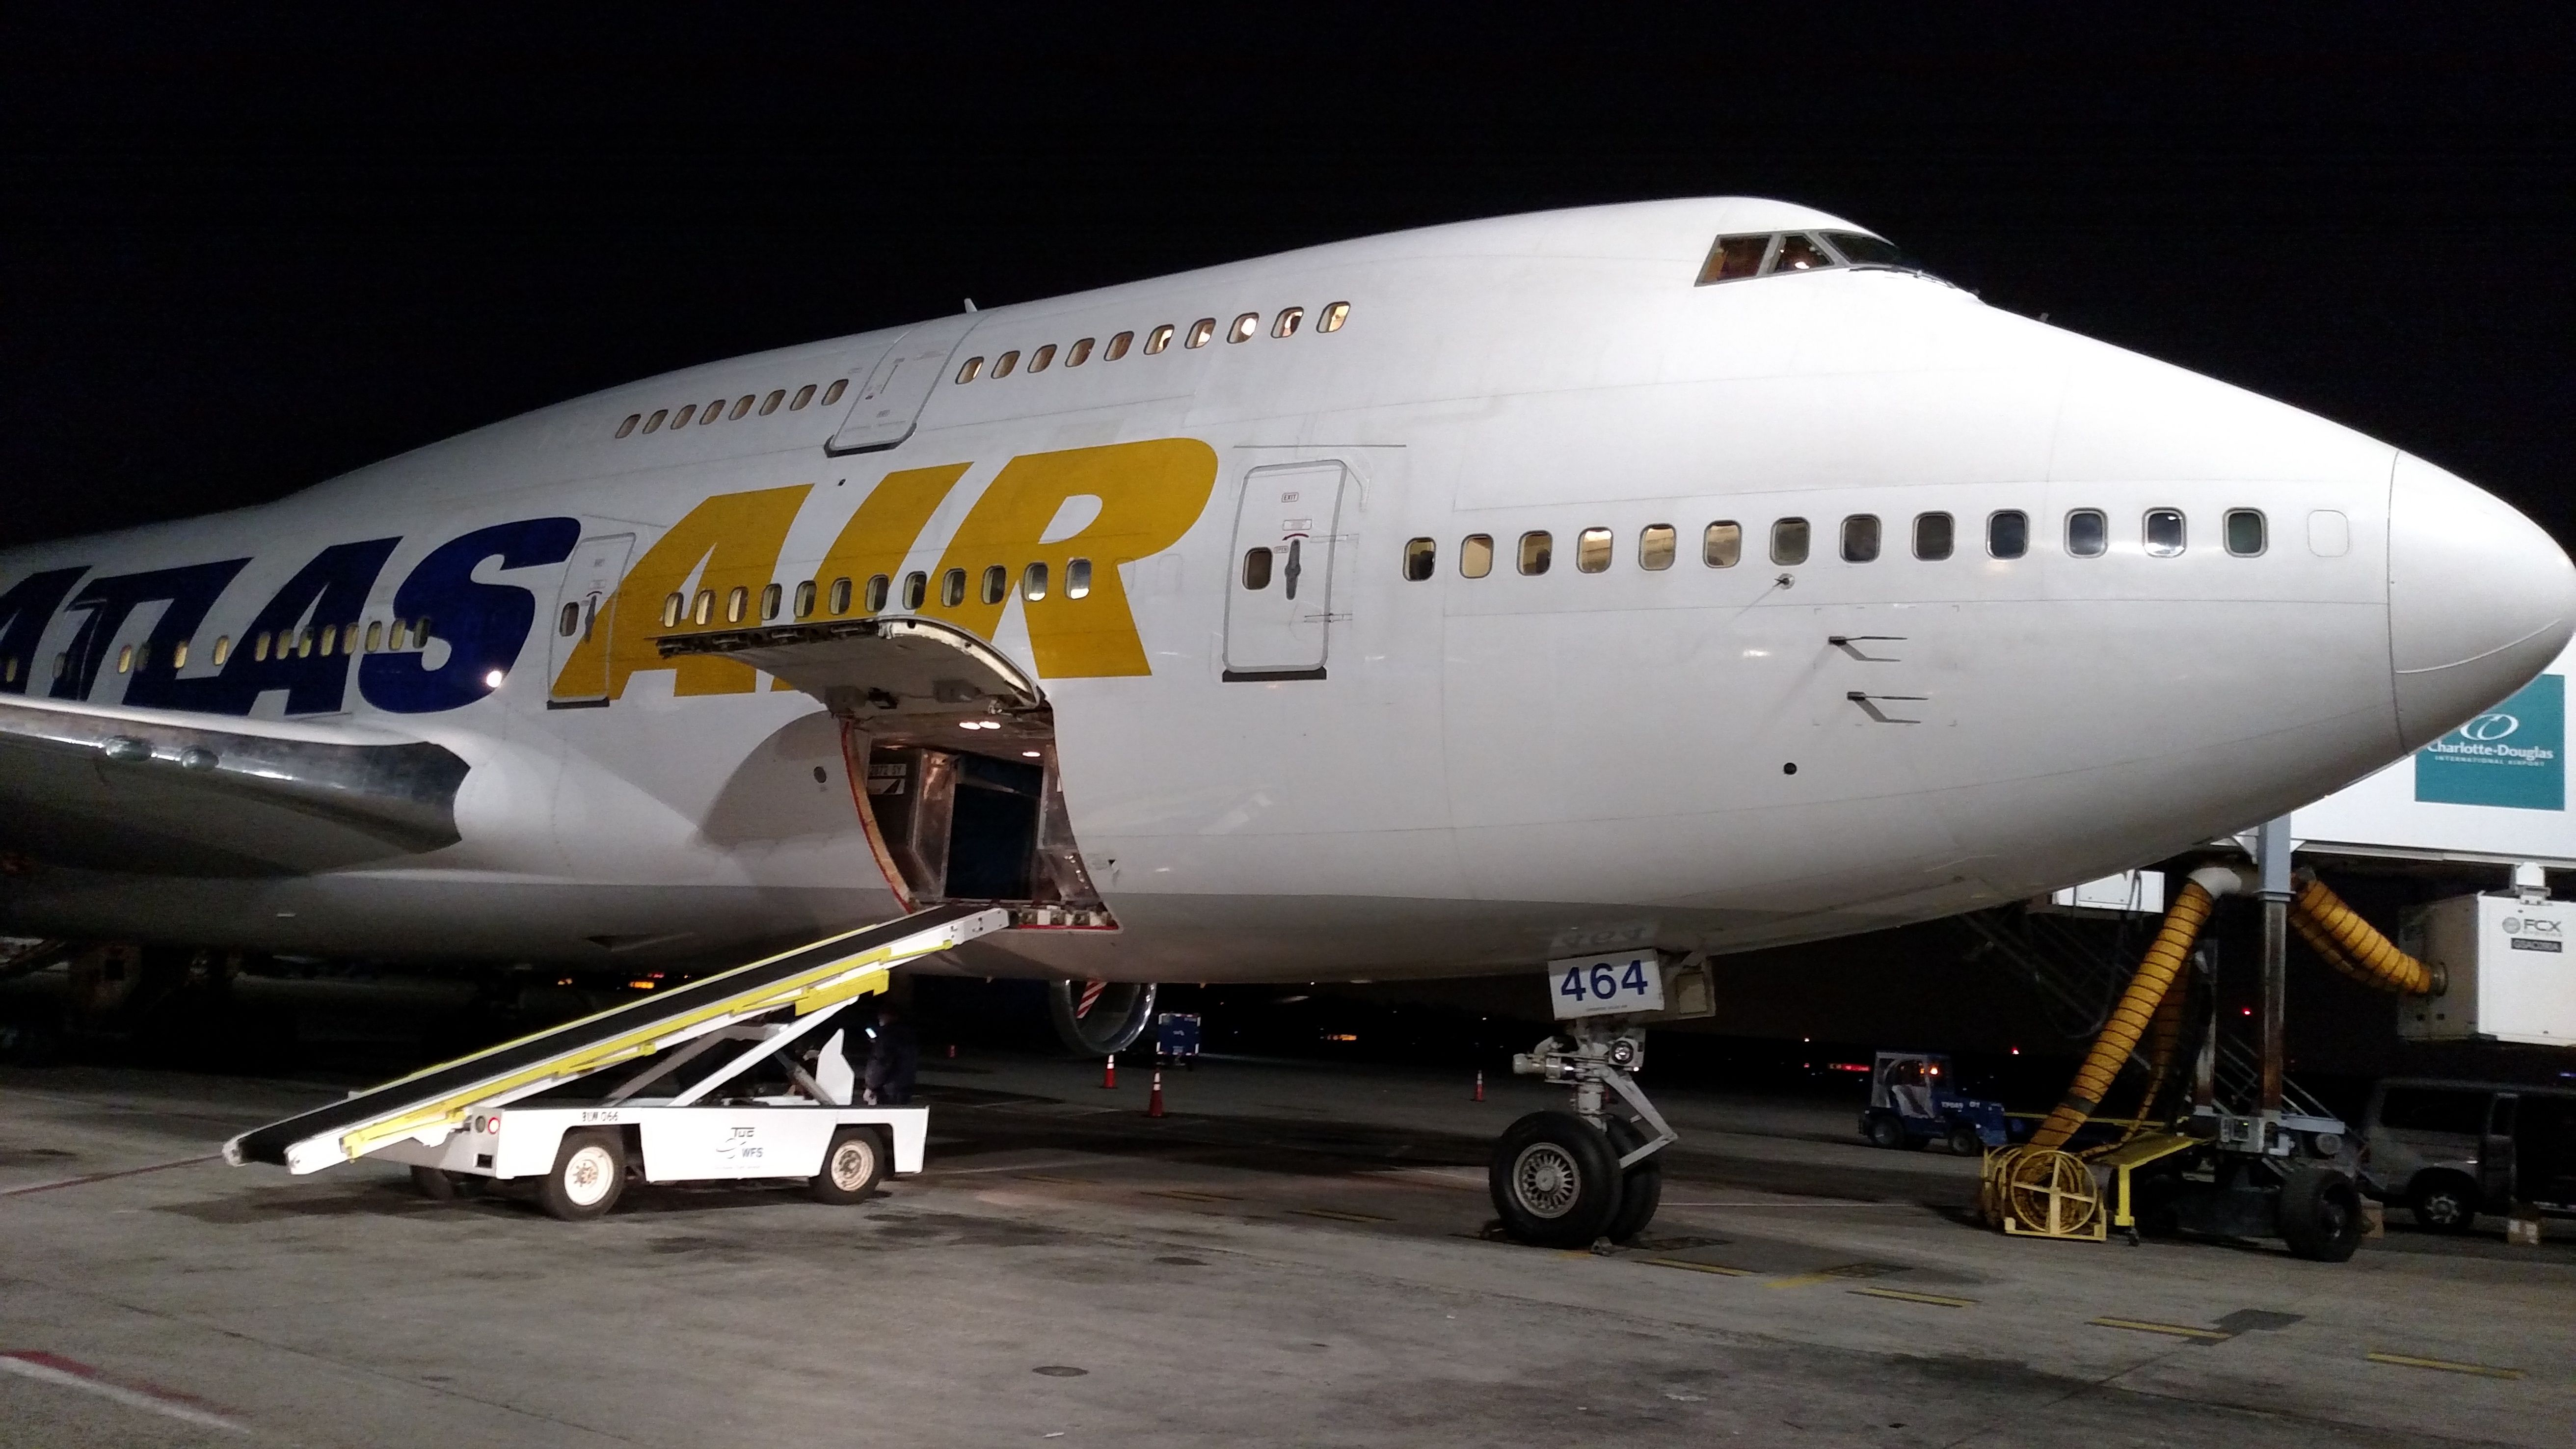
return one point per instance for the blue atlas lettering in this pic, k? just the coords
(482, 625)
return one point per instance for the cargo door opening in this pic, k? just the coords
(951, 756)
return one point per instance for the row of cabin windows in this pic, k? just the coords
(1242, 329)
(303, 643)
(2162, 533)
(991, 587)
(717, 411)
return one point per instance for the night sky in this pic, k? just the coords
(238, 257)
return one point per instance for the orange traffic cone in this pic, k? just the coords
(1154, 1100)
(1480, 1085)
(1109, 1074)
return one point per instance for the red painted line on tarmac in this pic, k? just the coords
(138, 1393)
(104, 1176)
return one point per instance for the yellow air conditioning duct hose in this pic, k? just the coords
(2354, 947)
(2156, 973)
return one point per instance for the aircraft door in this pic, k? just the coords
(1279, 586)
(585, 607)
(891, 399)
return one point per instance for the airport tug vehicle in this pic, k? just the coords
(1573, 1179)
(647, 1089)
(1914, 1100)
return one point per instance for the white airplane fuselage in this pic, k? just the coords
(1390, 775)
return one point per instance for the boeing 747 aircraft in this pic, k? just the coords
(1695, 573)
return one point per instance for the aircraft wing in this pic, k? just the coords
(167, 792)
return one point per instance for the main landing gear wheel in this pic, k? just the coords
(2321, 1214)
(1555, 1180)
(852, 1166)
(1641, 1188)
(588, 1175)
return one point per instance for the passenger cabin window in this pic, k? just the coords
(771, 599)
(714, 413)
(1003, 364)
(1537, 551)
(705, 612)
(1245, 328)
(179, 652)
(1789, 541)
(952, 588)
(805, 600)
(770, 403)
(916, 589)
(1333, 318)
(1860, 538)
(655, 422)
(224, 644)
(880, 588)
(1033, 582)
(1289, 317)
(2008, 533)
(1117, 347)
(1421, 556)
(737, 604)
(1256, 569)
(1656, 545)
(840, 596)
(741, 408)
(997, 584)
(671, 610)
(1039, 359)
(1734, 257)
(804, 395)
(1592, 551)
(1721, 544)
(1932, 535)
(968, 370)
(1077, 578)
(569, 620)
(2164, 532)
(628, 426)
(1200, 332)
(681, 418)
(2088, 534)
(2244, 532)
(1078, 354)
(1476, 555)
(833, 393)
(1158, 339)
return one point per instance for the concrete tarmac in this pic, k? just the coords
(1293, 1256)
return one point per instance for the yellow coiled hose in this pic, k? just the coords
(2138, 1005)
(2354, 947)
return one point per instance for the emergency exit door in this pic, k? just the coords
(1279, 597)
(585, 609)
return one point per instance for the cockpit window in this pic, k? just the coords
(1799, 253)
(1868, 251)
(1734, 258)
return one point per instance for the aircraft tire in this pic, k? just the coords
(1641, 1188)
(1555, 1181)
(852, 1166)
(588, 1176)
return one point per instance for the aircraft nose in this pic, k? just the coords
(2479, 599)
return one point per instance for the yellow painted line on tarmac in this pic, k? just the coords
(1938, 1300)
(1718, 1268)
(1051, 1177)
(2444, 1365)
(2175, 1330)
(1828, 1275)
(1339, 1216)
(1191, 1195)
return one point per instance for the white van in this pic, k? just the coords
(2450, 1150)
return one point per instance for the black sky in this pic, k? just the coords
(239, 256)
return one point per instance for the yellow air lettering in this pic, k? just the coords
(883, 530)
(737, 537)
(1150, 493)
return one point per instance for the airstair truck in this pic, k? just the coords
(579, 1109)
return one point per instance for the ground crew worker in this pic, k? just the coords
(892, 1059)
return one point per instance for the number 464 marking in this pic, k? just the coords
(1594, 985)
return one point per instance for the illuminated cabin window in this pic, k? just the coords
(1117, 347)
(840, 597)
(1860, 538)
(1538, 550)
(2164, 530)
(1158, 339)
(805, 599)
(2008, 533)
(741, 408)
(259, 647)
(1245, 328)
(770, 403)
(654, 423)
(833, 393)
(1039, 359)
(1421, 556)
(713, 414)
(1932, 536)
(1476, 555)
(179, 654)
(2244, 532)
(996, 586)
(952, 588)
(879, 587)
(1333, 318)
(2088, 534)
(1734, 257)
(1200, 332)
(9, 670)
(737, 604)
(125, 660)
(628, 426)
(568, 620)
(1003, 364)
(304, 643)
(681, 418)
(1592, 551)
(1789, 541)
(330, 635)
(1077, 578)
(1721, 544)
(375, 636)
(1033, 582)
(224, 648)
(1079, 353)
(804, 395)
(62, 665)
(916, 589)
(672, 608)
(1256, 569)
(771, 599)
(1657, 543)
(1289, 317)
(705, 612)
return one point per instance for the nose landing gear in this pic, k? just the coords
(1570, 1179)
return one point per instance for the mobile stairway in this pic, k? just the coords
(584, 1131)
